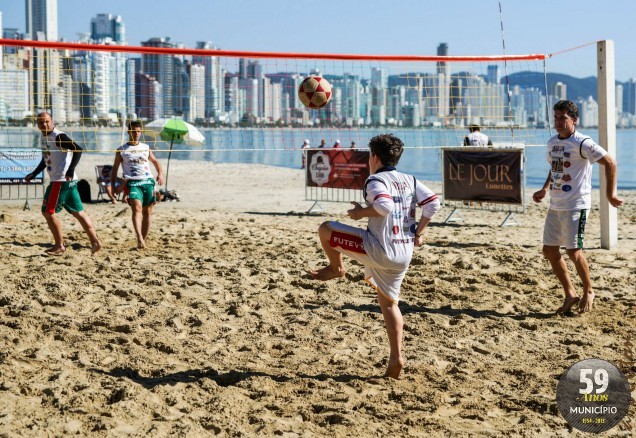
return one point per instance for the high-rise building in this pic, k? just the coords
(214, 80)
(493, 74)
(442, 50)
(629, 96)
(108, 26)
(161, 68)
(560, 91)
(41, 16)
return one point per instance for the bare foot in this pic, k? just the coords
(327, 273)
(96, 246)
(141, 246)
(57, 250)
(568, 303)
(394, 368)
(587, 302)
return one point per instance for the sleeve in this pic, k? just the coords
(39, 169)
(379, 197)
(591, 151)
(65, 143)
(427, 199)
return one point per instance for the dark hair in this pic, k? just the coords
(568, 106)
(134, 124)
(388, 148)
(473, 128)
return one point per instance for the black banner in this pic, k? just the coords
(483, 174)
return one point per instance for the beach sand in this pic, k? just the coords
(217, 329)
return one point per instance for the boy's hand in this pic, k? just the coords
(356, 212)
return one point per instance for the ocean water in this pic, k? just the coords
(281, 147)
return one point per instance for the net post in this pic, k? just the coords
(607, 136)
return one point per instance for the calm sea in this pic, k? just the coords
(280, 147)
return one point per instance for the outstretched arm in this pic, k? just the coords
(609, 163)
(37, 170)
(115, 169)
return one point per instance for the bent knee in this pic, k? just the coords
(551, 252)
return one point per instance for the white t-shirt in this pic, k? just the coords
(57, 160)
(571, 162)
(396, 195)
(135, 164)
(476, 138)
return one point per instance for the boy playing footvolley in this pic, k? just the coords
(386, 246)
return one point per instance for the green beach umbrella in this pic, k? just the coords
(175, 131)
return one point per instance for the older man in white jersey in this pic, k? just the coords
(60, 156)
(385, 248)
(571, 156)
(135, 159)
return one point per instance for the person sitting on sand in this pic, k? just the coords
(385, 248)
(134, 157)
(571, 155)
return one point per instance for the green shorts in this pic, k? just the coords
(62, 194)
(142, 190)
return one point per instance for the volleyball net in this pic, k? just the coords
(248, 101)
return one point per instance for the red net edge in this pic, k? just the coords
(246, 54)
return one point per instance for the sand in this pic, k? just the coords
(217, 329)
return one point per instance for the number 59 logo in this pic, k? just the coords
(593, 395)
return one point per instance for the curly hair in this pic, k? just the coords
(568, 106)
(388, 148)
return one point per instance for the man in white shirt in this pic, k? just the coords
(476, 138)
(571, 156)
(60, 156)
(135, 159)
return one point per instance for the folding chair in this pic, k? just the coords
(103, 181)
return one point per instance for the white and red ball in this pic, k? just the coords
(314, 92)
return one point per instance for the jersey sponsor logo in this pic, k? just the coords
(566, 178)
(567, 164)
(397, 214)
(413, 228)
(397, 199)
(396, 229)
(566, 154)
(566, 188)
(558, 148)
(402, 241)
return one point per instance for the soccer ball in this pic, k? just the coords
(314, 92)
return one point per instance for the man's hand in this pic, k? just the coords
(538, 196)
(356, 212)
(615, 201)
(29, 177)
(160, 179)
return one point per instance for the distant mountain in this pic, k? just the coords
(576, 87)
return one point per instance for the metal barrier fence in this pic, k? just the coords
(19, 192)
(330, 194)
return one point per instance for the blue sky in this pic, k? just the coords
(413, 27)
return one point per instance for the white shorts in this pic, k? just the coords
(354, 242)
(565, 228)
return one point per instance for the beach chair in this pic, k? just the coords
(102, 172)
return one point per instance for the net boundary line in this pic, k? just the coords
(248, 54)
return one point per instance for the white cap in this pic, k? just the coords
(338, 141)
(306, 141)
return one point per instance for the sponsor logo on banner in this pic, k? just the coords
(319, 168)
(486, 174)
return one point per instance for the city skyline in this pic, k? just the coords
(332, 27)
(87, 87)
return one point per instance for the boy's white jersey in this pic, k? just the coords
(571, 162)
(397, 194)
(57, 160)
(135, 164)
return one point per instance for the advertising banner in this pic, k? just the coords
(337, 168)
(15, 165)
(483, 174)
